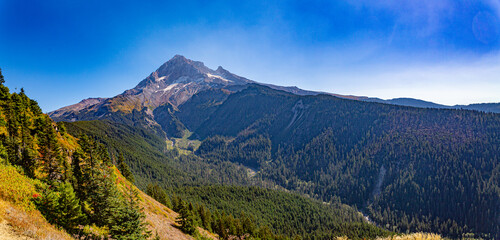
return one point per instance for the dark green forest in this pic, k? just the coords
(187, 177)
(287, 214)
(436, 170)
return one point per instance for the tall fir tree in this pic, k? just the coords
(69, 206)
(128, 221)
(186, 219)
(125, 169)
(159, 194)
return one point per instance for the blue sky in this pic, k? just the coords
(446, 51)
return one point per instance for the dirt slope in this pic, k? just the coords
(162, 220)
(16, 223)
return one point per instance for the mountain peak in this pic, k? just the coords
(220, 69)
(183, 65)
(177, 80)
(178, 56)
(179, 59)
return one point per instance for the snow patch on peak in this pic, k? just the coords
(170, 87)
(219, 77)
(160, 78)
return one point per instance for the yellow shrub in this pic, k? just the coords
(414, 236)
(17, 188)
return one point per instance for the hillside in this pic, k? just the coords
(151, 160)
(364, 154)
(411, 102)
(155, 99)
(366, 183)
(19, 219)
(56, 186)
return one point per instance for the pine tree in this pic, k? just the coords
(4, 91)
(50, 150)
(103, 197)
(2, 80)
(95, 183)
(124, 168)
(60, 206)
(48, 205)
(205, 217)
(78, 175)
(247, 223)
(69, 207)
(158, 194)
(186, 219)
(128, 221)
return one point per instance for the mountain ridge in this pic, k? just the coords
(178, 79)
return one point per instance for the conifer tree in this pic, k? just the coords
(69, 207)
(205, 218)
(78, 175)
(186, 219)
(247, 223)
(4, 91)
(103, 197)
(124, 168)
(128, 221)
(49, 148)
(158, 194)
(61, 206)
(2, 81)
(48, 205)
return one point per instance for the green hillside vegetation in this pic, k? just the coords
(152, 162)
(287, 214)
(410, 169)
(72, 182)
(188, 177)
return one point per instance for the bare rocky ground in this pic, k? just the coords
(16, 223)
(7, 232)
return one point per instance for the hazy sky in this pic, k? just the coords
(445, 51)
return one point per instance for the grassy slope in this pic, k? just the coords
(17, 211)
(19, 218)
